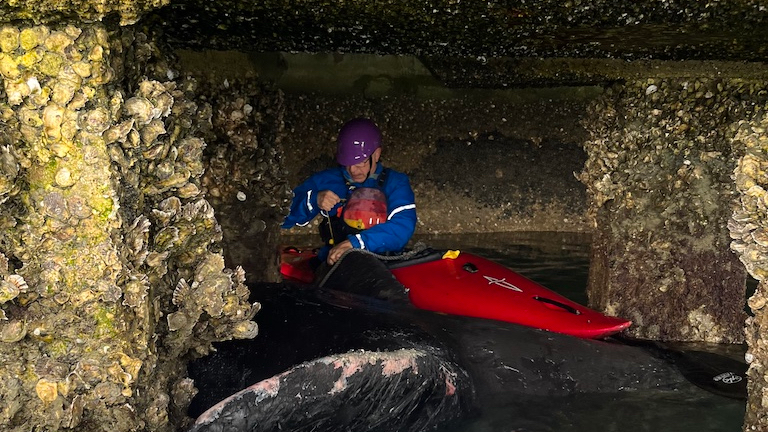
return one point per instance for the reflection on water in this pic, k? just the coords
(561, 263)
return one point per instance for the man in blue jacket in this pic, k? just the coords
(365, 205)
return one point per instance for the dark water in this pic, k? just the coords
(561, 263)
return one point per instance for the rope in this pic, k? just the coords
(418, 248)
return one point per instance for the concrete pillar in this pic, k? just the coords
(109, 268)
(660, 191)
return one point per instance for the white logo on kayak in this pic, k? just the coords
(728, 378)
(502, 283)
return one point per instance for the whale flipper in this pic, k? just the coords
(402, 390)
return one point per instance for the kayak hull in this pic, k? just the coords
(470, 285)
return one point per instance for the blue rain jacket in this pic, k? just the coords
(390, 236)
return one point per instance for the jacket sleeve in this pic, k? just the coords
(304, 206)
(394, 234)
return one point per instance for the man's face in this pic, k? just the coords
(360, 172)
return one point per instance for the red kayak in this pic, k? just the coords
(461, 283)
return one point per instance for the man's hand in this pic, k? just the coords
(338, 250)
(327, 199)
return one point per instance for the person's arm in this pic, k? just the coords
(320, 191)
(395, 233)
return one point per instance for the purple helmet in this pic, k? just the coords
(358, 139)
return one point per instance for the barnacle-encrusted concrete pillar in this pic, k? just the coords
(109, 269)
(749, 230)
(659, 182)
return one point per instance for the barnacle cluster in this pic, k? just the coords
(110, 270)
(748, 227)
(747, 224)
(244, 178)
(658, 178)
(58, 10)
(241, 157)
(60, 213)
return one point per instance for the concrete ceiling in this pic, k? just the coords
(492, 44)
(658, 29)
(474, 43)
